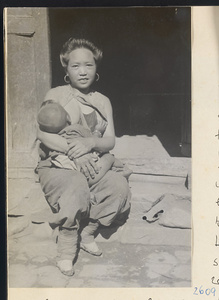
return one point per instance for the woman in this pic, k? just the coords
(67, 191)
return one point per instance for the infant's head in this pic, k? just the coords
(52, 117)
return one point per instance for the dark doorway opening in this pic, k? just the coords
(146, 70)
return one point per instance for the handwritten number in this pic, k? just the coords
(213, 291)
(201, 290)
(207, 292)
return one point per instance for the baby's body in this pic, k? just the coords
(103, 161)
(52, 113)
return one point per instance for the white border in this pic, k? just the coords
(205, 96)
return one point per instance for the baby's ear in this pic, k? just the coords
(68, 119)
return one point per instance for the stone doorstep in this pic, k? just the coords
(135, 230)
(172, 166)
(32, 202)
(138, 208)
(144, 193)
(160, 179)
(150, 191)
(21, 173)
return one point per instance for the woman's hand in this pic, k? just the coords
(87, 165)
(80, 146)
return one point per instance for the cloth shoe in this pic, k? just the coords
(91, 248)
(88, 243)
(66, 267)
(67, 249)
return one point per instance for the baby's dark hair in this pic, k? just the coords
(73, 44)
(52, 117)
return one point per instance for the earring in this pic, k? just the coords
(98, 77)
(65, 78)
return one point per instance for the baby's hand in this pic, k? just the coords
(101, 126)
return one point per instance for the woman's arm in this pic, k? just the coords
(84, 145)
(52, 141)
(58, 143)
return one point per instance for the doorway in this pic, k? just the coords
(146, 69)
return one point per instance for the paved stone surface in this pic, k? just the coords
(21, 275)
(50, 276)
(182, 272)
(122, 265)
(153, 234)
(183, 256)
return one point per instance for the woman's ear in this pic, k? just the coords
(62, 62)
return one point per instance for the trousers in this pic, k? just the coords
(69, 198)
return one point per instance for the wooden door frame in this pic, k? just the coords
(21, 26)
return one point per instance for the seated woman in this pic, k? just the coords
(67, 190)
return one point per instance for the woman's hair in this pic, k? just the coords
(73, 44)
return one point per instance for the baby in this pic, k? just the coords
(53, 118)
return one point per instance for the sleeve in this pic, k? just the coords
(51, 95)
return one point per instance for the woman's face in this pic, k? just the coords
(81, 69)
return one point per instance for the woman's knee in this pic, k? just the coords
(74, 181)
(75, 192)
(65, 188)
(62, 180)
(118, 184)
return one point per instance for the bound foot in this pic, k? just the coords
(91, 248)
(66, 267)
(88, 243)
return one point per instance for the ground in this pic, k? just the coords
(135, 254)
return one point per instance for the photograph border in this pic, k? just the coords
(203, 158)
